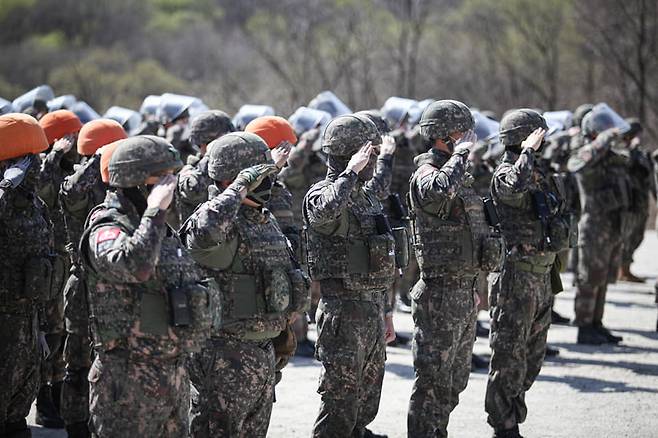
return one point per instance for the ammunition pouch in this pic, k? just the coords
(402, 249)
(492, 253)
(278, 290)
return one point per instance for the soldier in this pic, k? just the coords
(148, 303)
(641, 179)
(351, 253)
(26, 241)
(193, 179)
(79, 193)
(454, 243)
(601, 168)
(61, 128)
(530, 206)
(262, 290)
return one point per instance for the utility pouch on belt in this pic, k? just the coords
(492, 253)
(38, 277)
(278, 290)
(490, 212)
(401, 236)
(179, 307)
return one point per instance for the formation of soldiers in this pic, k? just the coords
(162, 268)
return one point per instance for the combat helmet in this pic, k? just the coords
(378, 119)
(601, 118)
(231, 153)
(442, 117)
(346, 134)
(208, 126)
(137, 158)
(580, 113)
(518, 124)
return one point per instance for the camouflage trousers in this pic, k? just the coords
(77, 353)
(20, 364)
(232, 388)
(599, 257)
(138, 396)
(521, 305)
(444, 314)
(634, 235)
(352, 351)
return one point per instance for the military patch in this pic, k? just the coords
(106, 237)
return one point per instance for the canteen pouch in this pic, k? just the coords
(277, 290)
(401, 236)
(38, 278)
(492, 253)
(300, 293)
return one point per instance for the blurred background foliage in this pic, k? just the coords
(549, 54)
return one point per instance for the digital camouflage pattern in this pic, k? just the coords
(138, 396)
(351, 347)
(281, 204)
(26, 239)
(340, 213)
(232, 389)
(192, 186)
(132, 262)
(78, 195)
(521, 299)
(443, 117)
(345, 135)
(231, 153)
(642, 186)
(449, 229)
(137, 158)
(601, 169)
(518, 125)
(209, 126)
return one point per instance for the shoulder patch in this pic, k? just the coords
(110, 233)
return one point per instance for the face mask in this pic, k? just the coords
(262, 194)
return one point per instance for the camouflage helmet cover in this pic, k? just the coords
(442, 117)
(601, 118)
(518, 124)
(208, 126)
(378, 119)
(580, 112)
(137, 158)
(346, 134)
(235, 151)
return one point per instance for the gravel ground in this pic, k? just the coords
(588, 391)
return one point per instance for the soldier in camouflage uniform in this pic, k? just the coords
(148, 302)
(78, 195)
(61, 128)
(193, 179)
(26, 241)
(351, 253)
(530, 206)
(240, 242)
(453, 243)
(641, 179)
(601, 168)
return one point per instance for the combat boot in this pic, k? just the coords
(480, 330)
(47, 412)
(478, 363)
(625, 274)
(78, 430)
(507, 433)
(606, 333)
(370, 434)
(556, 318)
(551, 352)
(589, 335)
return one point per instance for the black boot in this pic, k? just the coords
(589, 335)
(478, 363)
(370, 434)
(507, 433)
(480, 330)
(78, 430)
(612, 339)
(399, 340)
(47, 412)
(17, 429)
(305, 348)
(556, 318)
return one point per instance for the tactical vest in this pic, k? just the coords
(260, 286)
(454, 236)
(142, 316)
(355, 248)
(605, 186)
(26, 237)
(519, 220)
